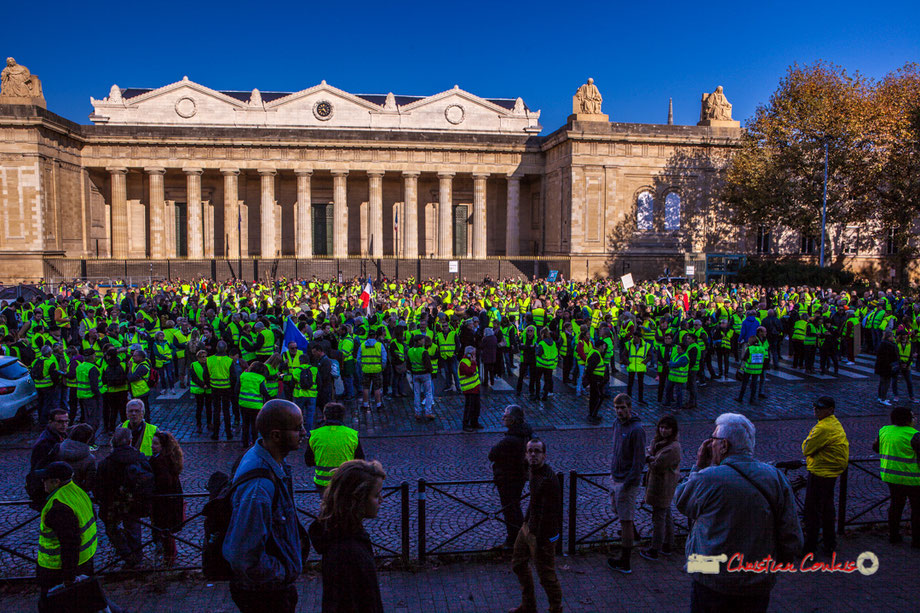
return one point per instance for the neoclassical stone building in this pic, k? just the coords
(188, 172)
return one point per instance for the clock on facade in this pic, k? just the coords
(323, 110)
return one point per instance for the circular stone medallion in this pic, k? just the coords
(454, 114)
(186, 107)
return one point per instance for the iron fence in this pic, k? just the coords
(451, 518)
(224, 269)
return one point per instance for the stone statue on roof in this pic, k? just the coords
(19, 86)
(255, 98)
(587, 99)
(715, 106)
(114, 94)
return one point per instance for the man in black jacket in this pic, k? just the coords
(537, 538)
(886, 363)
(509, 469)
(52, 436)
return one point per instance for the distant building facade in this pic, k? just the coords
(188, 172)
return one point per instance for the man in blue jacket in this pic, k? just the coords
(263, 513)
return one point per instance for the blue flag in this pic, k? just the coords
(291, 333)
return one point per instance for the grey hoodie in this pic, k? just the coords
(628, 452)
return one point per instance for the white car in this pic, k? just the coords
(17, 390)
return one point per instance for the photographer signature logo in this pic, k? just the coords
(866, 564)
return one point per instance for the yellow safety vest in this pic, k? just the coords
(49, 547)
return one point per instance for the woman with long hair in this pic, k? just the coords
(349, 574)
(663, 458)
(168, 510)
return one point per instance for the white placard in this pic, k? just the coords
(691, 270)
(453, 266)
(627, 281)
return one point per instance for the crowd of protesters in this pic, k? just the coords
(268, 357)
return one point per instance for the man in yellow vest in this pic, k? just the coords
(898, 446)
(223, 382)
(638, 354)
(373, 358)
(138, 373)
(46, 377)
(547, 357)
(141, 432)
(331, 445)
(67, 533)
(89, 390)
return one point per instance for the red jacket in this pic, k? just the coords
(468, 368)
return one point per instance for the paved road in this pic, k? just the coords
(439, 451)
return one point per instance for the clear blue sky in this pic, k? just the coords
(639, 54)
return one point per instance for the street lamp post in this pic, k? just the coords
(823, 207)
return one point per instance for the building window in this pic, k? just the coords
(672, 212)
(645, 207)
(807, 246)
(763, 240)
(891, 245)
(851, 240)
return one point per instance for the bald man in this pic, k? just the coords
(263, 579)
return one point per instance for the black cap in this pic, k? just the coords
(825, 402)
(56, 470)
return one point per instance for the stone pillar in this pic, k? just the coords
(409, 225)
(119, 247)
(512, 231)
(445, 215)
(194, 221)
(267, 245)
(303, 216)
(155, 213)
(230, 244)
(340, 214)
(375, 214)
(480, 244)
(208, 225)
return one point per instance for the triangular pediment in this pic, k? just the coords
(454, 95)
(176, 89)
(334, 93)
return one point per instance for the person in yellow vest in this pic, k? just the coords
(220, 369)
(141, 432)
(138, 374)
(46, 377)
(905, 353)
(89, 390)
(200, 386)
(638, 355)
(253, 394)
(547, 359)
(67, 532)
(595, 372)
(827, 454)
(373, 358)
(331, 445)
(469, 385)
(264, 345)
(292, 360)
(898, 445)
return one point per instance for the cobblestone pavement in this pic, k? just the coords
(488, 586)
(439, 452)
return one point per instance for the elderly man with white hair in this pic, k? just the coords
(739, 507)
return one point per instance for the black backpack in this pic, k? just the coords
(217, 513)
(35, 486)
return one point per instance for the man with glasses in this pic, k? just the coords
(263, 577)
(53, 434)
(626, 475)
(737, 505)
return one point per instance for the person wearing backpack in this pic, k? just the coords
(263, 544)
(139, 379)
(124, 490)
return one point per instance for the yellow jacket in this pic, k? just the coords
(826, 448)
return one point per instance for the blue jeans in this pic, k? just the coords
(450, 368)
(421, 385)
(167, 380)
(579, 374)
(669, 393)
(308, 408)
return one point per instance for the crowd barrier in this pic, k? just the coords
(451, 518)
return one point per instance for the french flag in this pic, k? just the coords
(367, 294)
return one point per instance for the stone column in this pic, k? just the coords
(375, 213)
(156, 212)
(340, 214)
(480, 243)
(267, 245)
(195, 224)
(445, 215)
(230, 244)
(409, 225)
(119, 247)
(208, 225)
(303, 217)
(512, 231)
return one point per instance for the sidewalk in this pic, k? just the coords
(587, 585)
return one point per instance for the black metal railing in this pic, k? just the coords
(451, 518)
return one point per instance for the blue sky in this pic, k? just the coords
(639, 54)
